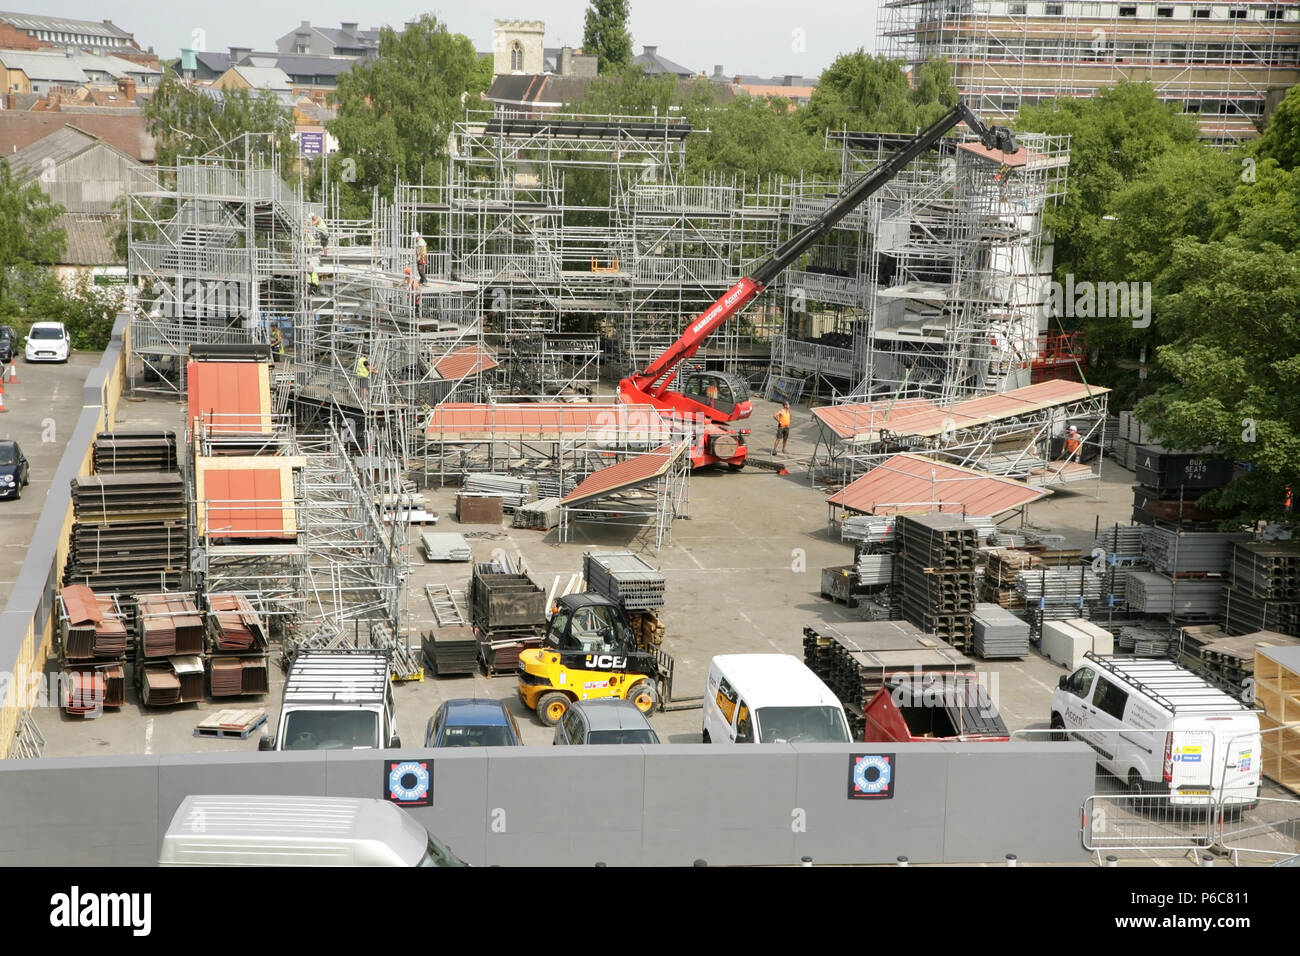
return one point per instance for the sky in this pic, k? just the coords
(767, 37)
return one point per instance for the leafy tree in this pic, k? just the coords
(28, 234)
(871, 93)
(605, 34)
(1281, 138)
(754, 137)
(396, 111)
(192, 121)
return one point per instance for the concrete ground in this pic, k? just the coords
(41, 411)
(743, 575)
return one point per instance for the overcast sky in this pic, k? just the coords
(769, 37)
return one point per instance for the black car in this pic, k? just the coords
(7, 339)
(13, 470)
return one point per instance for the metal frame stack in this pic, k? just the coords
(445, 546)
(1000, 573)
(119, 452)
(624, 578)
(450, 648)
(512, 491)
(508, 612)
(998, 633)
(1265, 590)
(938, 575)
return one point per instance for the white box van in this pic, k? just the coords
(768, 699)
(230, 830)
(1162, 730)
(336, 700)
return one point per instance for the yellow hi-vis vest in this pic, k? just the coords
(363, 367)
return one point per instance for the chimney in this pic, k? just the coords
(237, 53)
(350, 28)
(126, 86)
(650, 50)
(565, 66)
(717, 71)
(305, 25)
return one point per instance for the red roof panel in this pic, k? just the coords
(913, 484)
(625, 474)
(244, 503)
(81, 604)
(230, 396)
(453, 421)
(463, 362)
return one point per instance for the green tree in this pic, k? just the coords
(193, 121)
(605, 34)
(872, 93)
(754, 137)
(395, 112)
(1281, 138)
(28, 233)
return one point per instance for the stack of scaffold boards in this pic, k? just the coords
(998, 633)
(91, 645)
(450, 648)
(237, 643)
(445, 546)
(540, 515)
(1000, 575)
(1265, 591)
(130, 520)
(171, 644)
(937, 575)
(512, 491)
(624, 578)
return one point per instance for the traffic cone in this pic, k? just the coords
(2, 396)
(13, 372)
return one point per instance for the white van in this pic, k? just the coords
(769, 699)
(228, 830)
(336, 700)
(1162, 730)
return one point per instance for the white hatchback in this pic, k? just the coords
(48, 342)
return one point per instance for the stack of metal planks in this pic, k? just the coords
(401, 661)
(237, 633)
(141, 496)
(1267, 569)
(869, 529)
(875, 569)
(118, 452)
(512, 491)
(937, 574)
(1189, 552)
(1152, 593)
(1059, 586)
(540, 515)
(624, 578)
(998, 633)
(445, 546)
(238, 676)
(174, 680)
(1000, 574)
(450, 650)
(1144, 641)
(130, 532)
(169, 624)
(1232, 659)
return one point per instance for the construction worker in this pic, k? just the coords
(712, 393)
(277, 340)
(363, 376)
(413, 286)
(1072, 443)
(782, 419)
(320, 233)
(422, 259)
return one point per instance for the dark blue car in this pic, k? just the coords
(13, 470)
(472, 722)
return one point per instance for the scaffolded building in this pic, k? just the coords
(1226, 62)
(937, 287)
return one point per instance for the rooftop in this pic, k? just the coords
(97, 28)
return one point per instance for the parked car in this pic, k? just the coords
(13, 470)
(608, 721)
(472, 722)
(7, 339)
(48, 342)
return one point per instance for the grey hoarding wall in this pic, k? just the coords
(574, 806)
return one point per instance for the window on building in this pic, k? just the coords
(1273, 13)
(1128, 11)
(1164, 11)
(1053, 9)
(1016, 9)
(1201, 13)
(517, 56)
(1237, 13)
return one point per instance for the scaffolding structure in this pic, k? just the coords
(588, 247)
(1226, 62)
(938, 286)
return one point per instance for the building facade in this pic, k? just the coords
(1226, 62)
(61, 32)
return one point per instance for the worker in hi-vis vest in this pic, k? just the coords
(363, 375)
(782, 419)
(1072, 444)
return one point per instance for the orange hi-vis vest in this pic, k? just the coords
(783, 418)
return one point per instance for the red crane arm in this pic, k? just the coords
(727, 305)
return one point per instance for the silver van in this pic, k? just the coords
(235, 830)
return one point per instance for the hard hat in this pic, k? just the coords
(407, 270)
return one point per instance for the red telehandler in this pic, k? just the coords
(697, 402)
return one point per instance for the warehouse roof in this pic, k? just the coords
(914, 484)
(89, 239)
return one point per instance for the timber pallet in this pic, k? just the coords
(230, 724)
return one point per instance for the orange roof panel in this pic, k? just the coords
(230, 396)
(625, 474)
(913, 484)
(245, 503)
(464, 362)
(456, 421)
